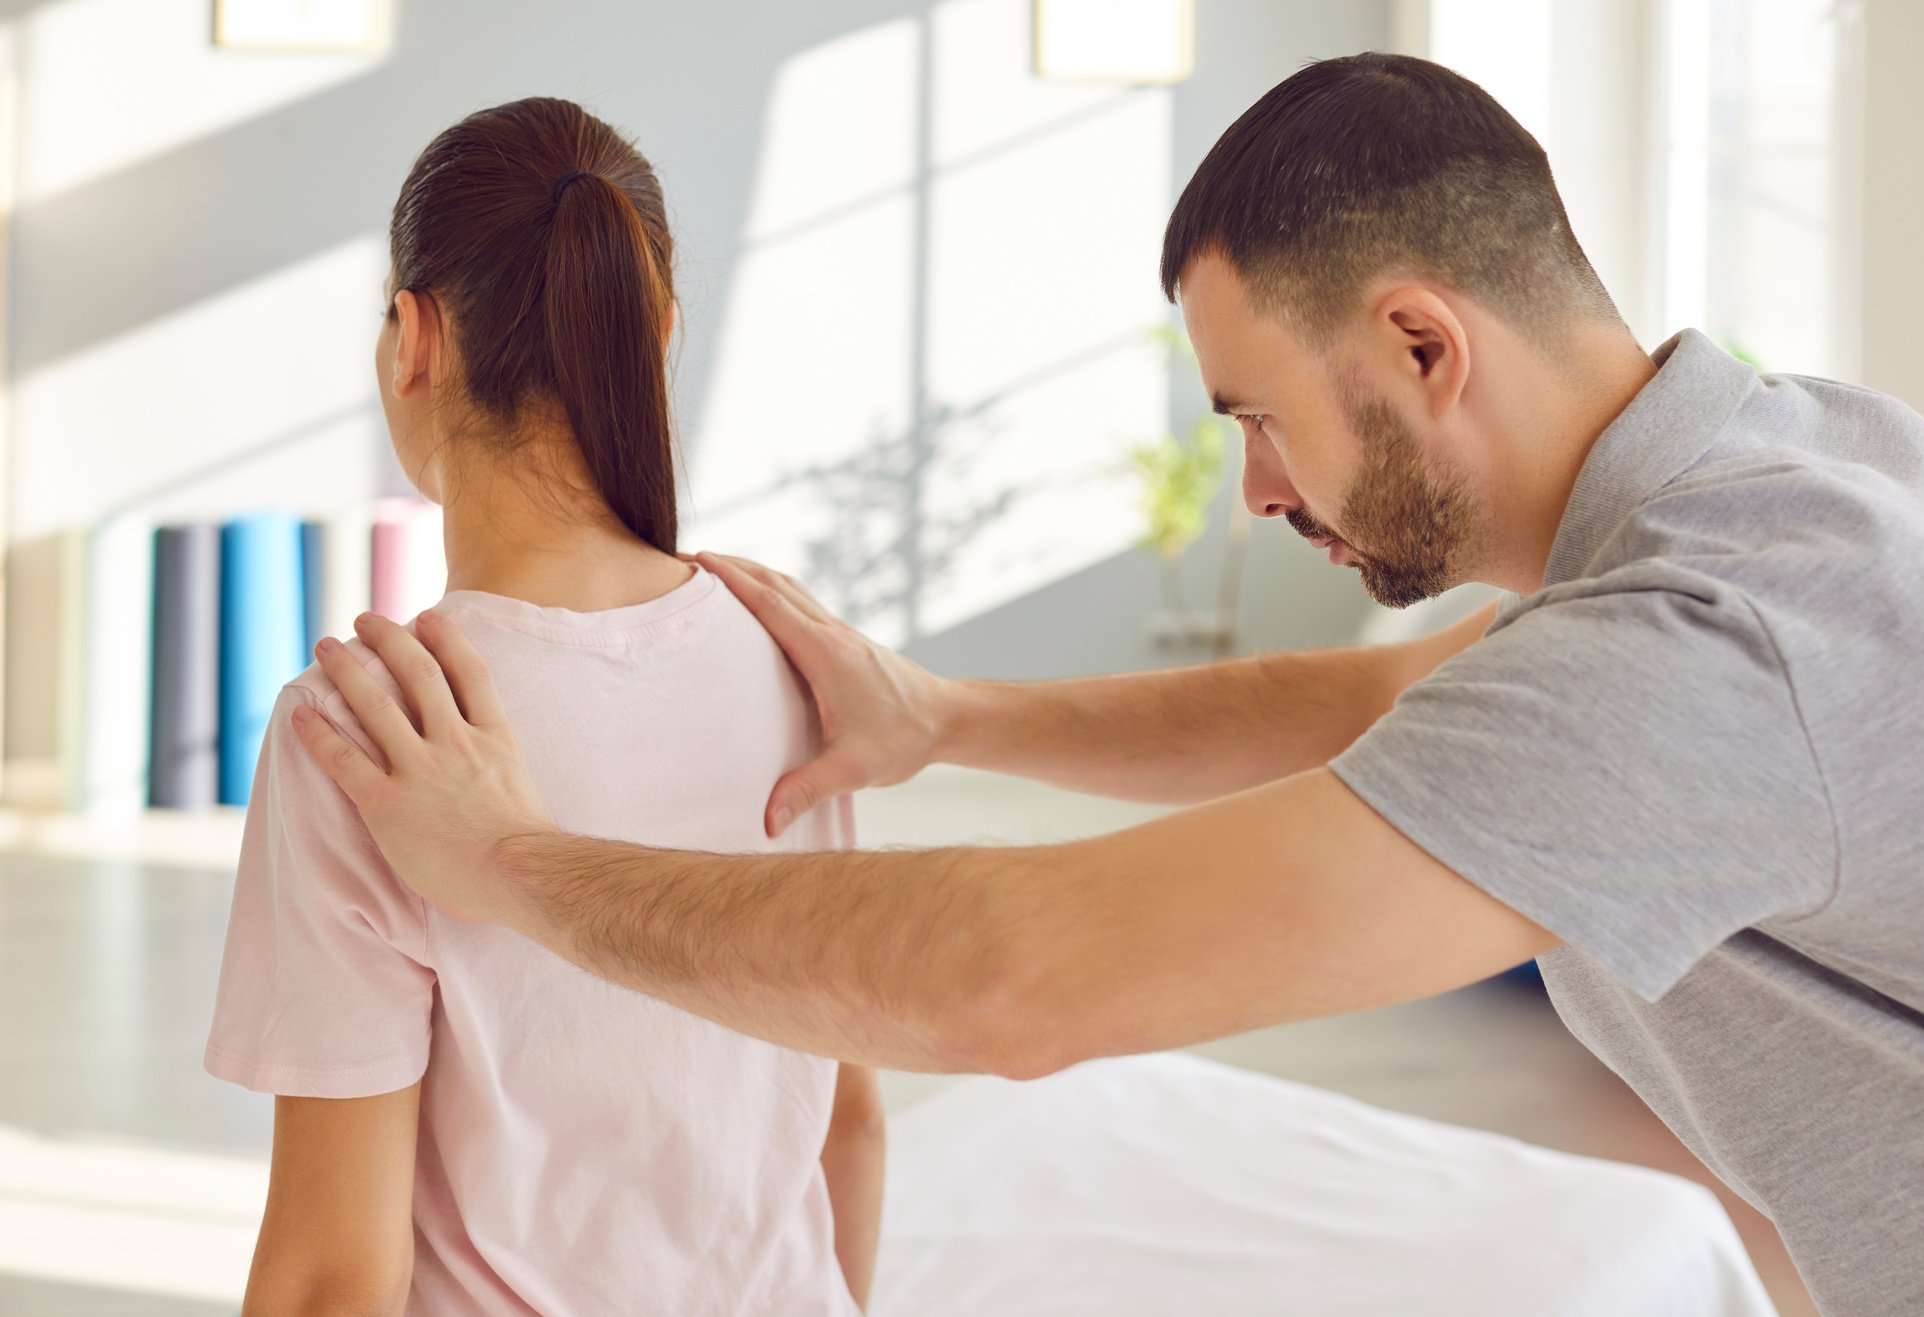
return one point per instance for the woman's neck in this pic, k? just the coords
(558, 546)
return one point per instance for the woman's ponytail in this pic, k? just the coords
(609, 305)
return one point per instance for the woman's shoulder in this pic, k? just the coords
(314, 688)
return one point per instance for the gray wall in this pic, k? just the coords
(1887, 273)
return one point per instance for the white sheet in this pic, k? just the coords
(1163, 1185)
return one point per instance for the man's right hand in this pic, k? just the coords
(882, 715)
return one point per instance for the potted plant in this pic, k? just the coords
(1179, 474)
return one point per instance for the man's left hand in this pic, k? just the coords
(454, 788)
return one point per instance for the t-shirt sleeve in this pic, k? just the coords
(1629, 769)
(830, 826)
(324, 986)
(839, 823)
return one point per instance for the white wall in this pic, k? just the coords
(908, 270)
(1580, 77)
(915, 279)
(1095, 620)
(932, 351)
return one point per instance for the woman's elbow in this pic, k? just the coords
(859, 1115)
(350, 1294)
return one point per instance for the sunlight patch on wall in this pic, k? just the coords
(840, 130)
(986, 93)
(1042, 280)
(170, 85)
(813, 363)
(931, 364)
(223, 404)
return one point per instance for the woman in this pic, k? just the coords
(465, 1122)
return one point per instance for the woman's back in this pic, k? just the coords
(582, 1148)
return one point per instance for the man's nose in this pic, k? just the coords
(1266, 490)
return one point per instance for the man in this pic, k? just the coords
(1680, 761)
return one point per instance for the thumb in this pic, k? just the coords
(833, 773)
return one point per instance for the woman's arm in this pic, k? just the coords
(852, 1161)
(338, 1235)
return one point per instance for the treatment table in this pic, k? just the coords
(1168, 1185)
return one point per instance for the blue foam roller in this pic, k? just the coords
(263, 624)
(313, 583)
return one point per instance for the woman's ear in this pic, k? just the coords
(1430, 343)
(416, 343)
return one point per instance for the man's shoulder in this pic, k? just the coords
(1767, 561)
(1802, 454)
(1797, 528)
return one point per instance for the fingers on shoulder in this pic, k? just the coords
(331, 714)
(352, 764)
(467, 672)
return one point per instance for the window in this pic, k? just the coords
(1759, 169)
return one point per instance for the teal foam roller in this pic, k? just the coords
(263, 627)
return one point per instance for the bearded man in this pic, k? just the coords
(1680, 760)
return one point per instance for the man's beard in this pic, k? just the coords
(1413, 521)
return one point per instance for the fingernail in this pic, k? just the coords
(782, 816)
(428, 615)
(326, 645)
(363, 620)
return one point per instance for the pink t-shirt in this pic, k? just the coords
(583, 1148)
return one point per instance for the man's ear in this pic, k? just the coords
(1428, 340)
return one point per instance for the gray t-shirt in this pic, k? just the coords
(1697, 755)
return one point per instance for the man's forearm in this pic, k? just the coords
(1190, 734)
(887, 958)
(1173, 737)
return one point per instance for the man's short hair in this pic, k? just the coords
(1375, 165)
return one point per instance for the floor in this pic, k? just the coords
(130, 1182)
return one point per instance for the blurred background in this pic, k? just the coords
(924, 365)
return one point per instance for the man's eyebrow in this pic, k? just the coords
(1226, 407)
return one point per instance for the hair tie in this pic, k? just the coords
(561, 184)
